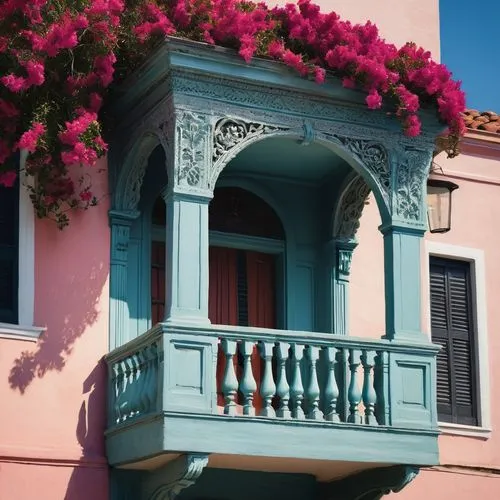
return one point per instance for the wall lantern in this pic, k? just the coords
(439, 193)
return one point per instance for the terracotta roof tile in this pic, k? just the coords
(488, 121)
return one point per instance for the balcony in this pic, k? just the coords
(196, 121)
(271, 400)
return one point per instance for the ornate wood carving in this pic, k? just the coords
(179, 475)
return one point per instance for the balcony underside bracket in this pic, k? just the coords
(179, 475)
(370, 484)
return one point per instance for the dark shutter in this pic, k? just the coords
(452, 329)
(9, 250)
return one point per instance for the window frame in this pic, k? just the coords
(475, 258)
(24, 328)
(251, 243)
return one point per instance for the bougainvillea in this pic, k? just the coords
(58, 59)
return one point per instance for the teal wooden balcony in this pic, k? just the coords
(279, 400)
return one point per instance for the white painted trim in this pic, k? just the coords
(26, 279)
(464, 430)
(478, 282)
(24, 330)
(20, 332)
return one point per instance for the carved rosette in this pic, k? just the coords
(181, 473)
(192, 158)
(230, 137)
(350, 208)
(412, 169)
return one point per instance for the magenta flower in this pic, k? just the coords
(374, 100)
(29, 139)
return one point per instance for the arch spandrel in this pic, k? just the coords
(200, 145)
(368, 158)
(349, 208)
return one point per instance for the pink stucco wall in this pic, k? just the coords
(459, 484)
(53, 391)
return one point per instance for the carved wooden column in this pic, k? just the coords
(344, 251)
(187, 198)
(120, 222)
(403, 238)
(346, 223)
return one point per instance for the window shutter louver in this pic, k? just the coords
(9, 253)
(451, 312)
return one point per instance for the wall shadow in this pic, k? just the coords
(90, 477)
(71, 269)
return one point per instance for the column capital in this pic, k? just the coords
(402, 227)
(176, 194)
(123, 217)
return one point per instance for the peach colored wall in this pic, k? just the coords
(399, 21)
(476, 215)
(456, 484)
(53, 391)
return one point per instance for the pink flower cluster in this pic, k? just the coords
(60, 61)
(72, 135)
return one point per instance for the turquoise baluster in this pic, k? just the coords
(282, 387)
(369, 395)
(354, 390)
(149, 397)
(381, 384)
(135, 389)
(247, 382)
(119, 387)
(331, 392)
(229, 382)
(153, 377)
(296, 388)
(142, 379)
(312, 392)
(267, 385)
(125, 405)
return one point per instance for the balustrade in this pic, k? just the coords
(300, 381)
(134, 384)
(267, 375)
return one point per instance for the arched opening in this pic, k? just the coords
(302, 184)
(273, 260)
(245, 256)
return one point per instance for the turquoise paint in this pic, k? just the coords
(217, 484)
(165, 390)
(245, 485)
(402, 271)
(189, 99)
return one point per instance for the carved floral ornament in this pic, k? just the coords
(204, 145)
(180, 474)
(350, 208)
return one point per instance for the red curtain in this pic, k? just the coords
(223, 283)
(261, 280)
(222, 300)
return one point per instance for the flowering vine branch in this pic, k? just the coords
(59, 57)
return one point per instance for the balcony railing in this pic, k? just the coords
(270, 377)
